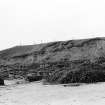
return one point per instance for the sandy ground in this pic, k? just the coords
(38, 94)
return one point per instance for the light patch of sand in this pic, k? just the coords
(13, 82)
(38, 94)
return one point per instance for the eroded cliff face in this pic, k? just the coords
(57, 62)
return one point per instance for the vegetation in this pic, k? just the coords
(1, 81)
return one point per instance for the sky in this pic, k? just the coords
(25, 22)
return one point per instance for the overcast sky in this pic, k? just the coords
(33, 21)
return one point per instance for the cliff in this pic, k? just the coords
(57, 62)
